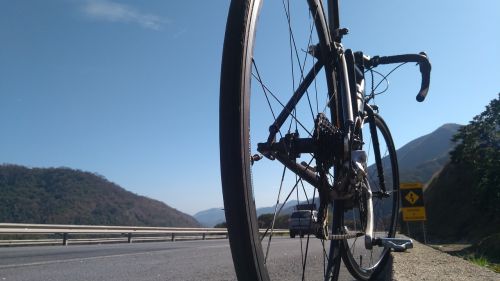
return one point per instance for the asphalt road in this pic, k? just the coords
(181, 260)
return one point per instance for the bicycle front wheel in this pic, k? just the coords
(383, 181)
(262, 72)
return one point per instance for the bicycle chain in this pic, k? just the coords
(345, 236)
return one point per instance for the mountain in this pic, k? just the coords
(66, 196)
(213, 216)
(419, 160)
(210, 217)
(285, 210)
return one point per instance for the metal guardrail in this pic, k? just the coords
(131, 233)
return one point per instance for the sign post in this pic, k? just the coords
(413, 207)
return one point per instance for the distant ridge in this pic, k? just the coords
(210, 217)
(421, 158)
(66, 196)
(213, 216)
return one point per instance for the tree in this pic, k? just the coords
(478, 149)
(266, 221)
(221, 225)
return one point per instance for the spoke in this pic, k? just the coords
(286, 200)
(354, 246)
(371, 259)
(292, 42)
(369, 148)
(308, 235)
(274, 217)
(305, 258)
(282, 205)
(282, 105)
(316, 92)
(303, 66)
(300, 237)
(305, 193)
(276, 213)
(264, 89)
(372, 174)
(329, 101)
(325, 257)
(290, 36)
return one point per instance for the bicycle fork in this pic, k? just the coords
(357, 159)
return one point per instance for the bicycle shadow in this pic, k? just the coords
(387, 271)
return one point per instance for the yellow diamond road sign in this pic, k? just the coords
(412, 197)
(412, 203)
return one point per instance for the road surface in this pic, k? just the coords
(181, 260)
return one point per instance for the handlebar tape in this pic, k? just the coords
(425, 70)
(421, 59)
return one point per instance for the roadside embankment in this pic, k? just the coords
(425, 263)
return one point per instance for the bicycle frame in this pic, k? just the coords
(339, 92)
(339, 65)
(333, 17)
(335, 61)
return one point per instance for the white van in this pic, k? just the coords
(303, 222)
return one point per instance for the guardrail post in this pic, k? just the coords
(129, 237)
(173, 237)
(65, 239)
(204, 236)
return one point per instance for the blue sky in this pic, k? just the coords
(129, 89)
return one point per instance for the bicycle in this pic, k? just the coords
(318, 145)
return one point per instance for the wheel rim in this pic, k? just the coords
(360, 261)
(271, 89)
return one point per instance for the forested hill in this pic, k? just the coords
(463, 201)
(66, 196)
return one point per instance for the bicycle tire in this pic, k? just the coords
(235, 149)
(385, 209)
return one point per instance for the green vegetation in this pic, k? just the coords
(66, 196)
(266, 220)
(484, 253)
(482, 261)
(221, 225)
(463, 201)
(478, 150)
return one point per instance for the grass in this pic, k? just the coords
(485, 253)
(482, 261)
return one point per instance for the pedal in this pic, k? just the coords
(397, 244)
